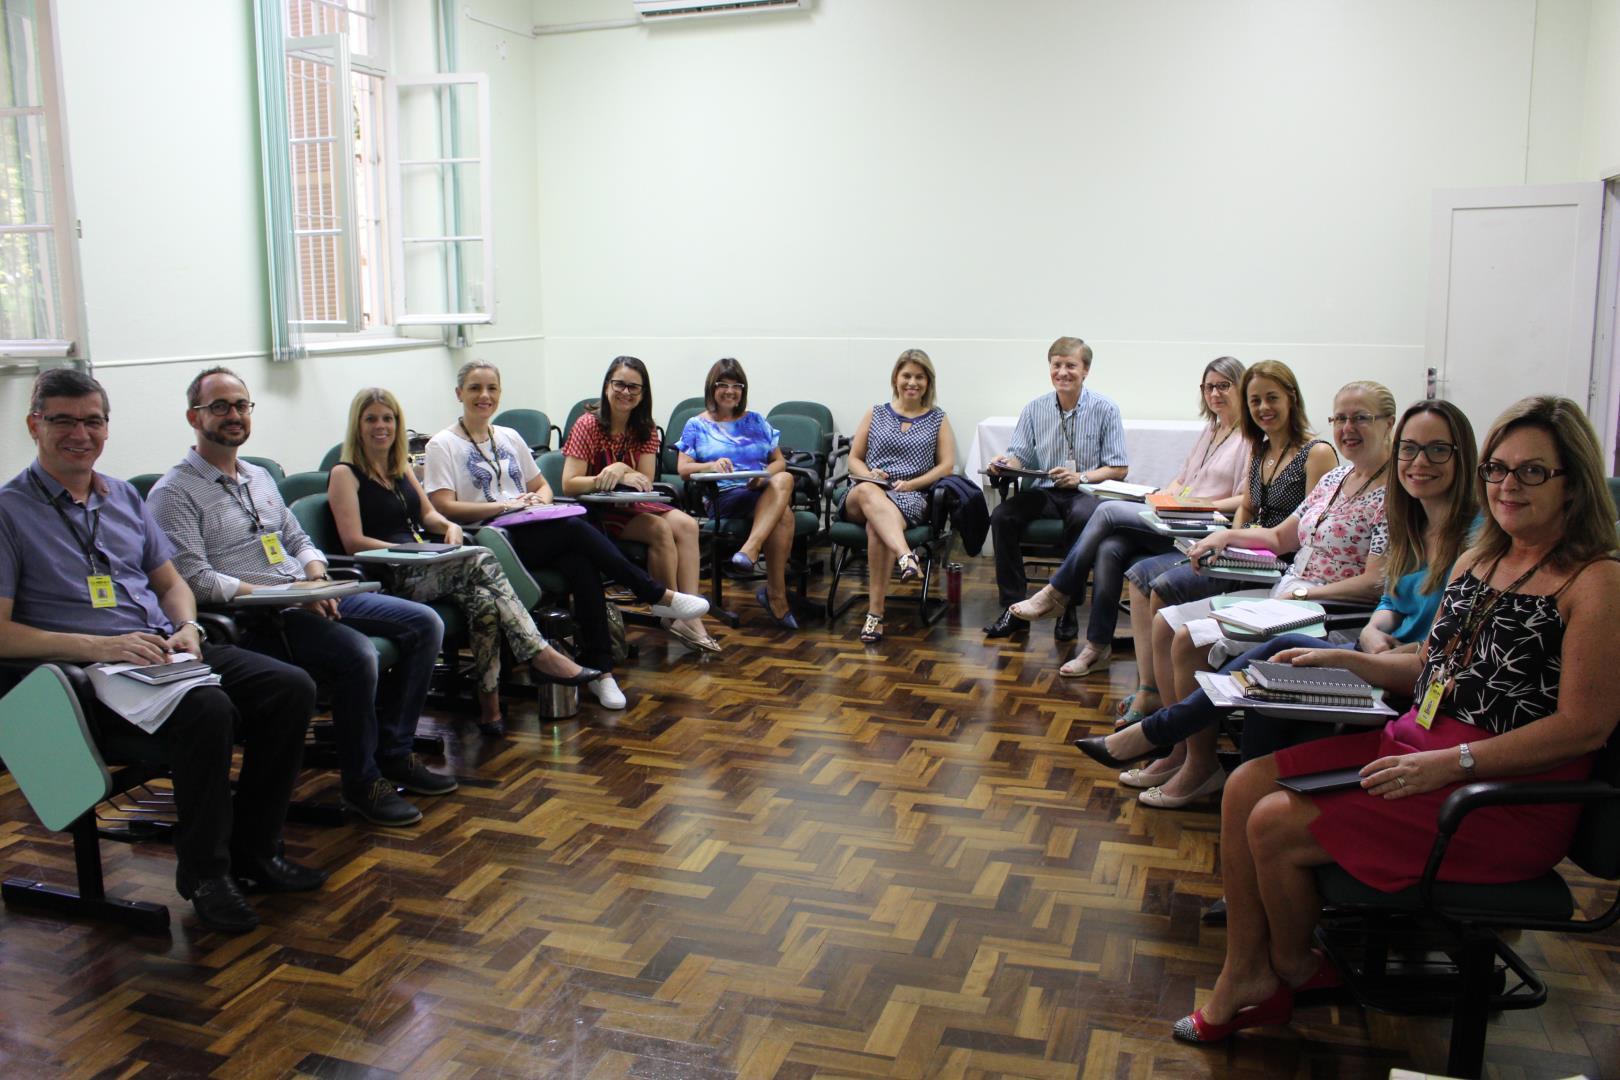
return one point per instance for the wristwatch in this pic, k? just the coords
(1466, 760)
(1300, 592)
(202, 635)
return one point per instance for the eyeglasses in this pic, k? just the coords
(63, 423)
(1494, 472)
(1360, 419)
(631, 388)
(1215, 387)
(731, 386)
(1437, 452)
(223, 408)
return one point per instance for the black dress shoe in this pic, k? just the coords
(1096, 748)
(219, 904)
(1006, 625)
(585, 675)
(1215, 914)
(275, 873)
(1067, 627)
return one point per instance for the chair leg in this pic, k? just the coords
(841, 559)
(930, 611)
(1470, 1013)
(91, 899)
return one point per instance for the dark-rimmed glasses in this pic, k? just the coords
(1215, 387)
(223, 408)
(625, 387)
(1530, 475)
(1438, 453)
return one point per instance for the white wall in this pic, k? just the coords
(1170, 180)
(162, 118)
(1600, 130)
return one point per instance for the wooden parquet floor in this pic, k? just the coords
(806, 858)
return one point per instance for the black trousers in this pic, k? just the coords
(1007, 523)
(582, 556)
(261, 703)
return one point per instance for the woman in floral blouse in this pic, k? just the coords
(1338, 537)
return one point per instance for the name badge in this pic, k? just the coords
(101, 591)
(1186, 491)
(1431, 703)
(273, 551)
(1071, 465)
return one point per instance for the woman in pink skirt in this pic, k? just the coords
(1512, 683)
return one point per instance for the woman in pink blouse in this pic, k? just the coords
(1115, 536)
(614, 447)
(1338, 537)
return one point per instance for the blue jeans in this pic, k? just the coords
(1195, 712)
(375, 716)
(1114, 537)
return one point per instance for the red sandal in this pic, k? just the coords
(1276, 1009)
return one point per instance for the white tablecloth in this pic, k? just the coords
(1156, 448)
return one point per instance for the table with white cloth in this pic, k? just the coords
(1156, 449)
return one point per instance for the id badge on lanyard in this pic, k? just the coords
(274, 553)
(101, 591)
(1431, 702)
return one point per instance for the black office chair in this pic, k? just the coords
(930, 539)
(1437, 947)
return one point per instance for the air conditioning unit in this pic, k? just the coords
(657, 11)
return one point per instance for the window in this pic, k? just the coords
(39, 275)
(376, 236)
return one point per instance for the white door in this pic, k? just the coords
(1513, 295)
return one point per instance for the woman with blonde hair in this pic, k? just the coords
(377, 502)
(1515, 681)
(900, 449)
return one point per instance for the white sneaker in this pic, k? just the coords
(686, 606)
(607, 692)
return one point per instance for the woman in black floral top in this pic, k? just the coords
(1515, 680)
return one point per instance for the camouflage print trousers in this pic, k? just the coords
(478, 586)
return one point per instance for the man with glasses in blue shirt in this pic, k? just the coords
(86, 577)
(234, 534)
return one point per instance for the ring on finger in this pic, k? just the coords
(1400, 781)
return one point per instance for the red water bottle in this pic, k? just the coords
(953, 583)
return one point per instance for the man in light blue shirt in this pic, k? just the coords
(1073, 435)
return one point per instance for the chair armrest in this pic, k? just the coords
(1482, 793)
(666, 489)
(220, 626)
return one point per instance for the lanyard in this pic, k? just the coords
(250, 508)
(410, 519)
(1265, 485)
(1474, 622)
(90, 547)
(1066, 427)
(493, 458)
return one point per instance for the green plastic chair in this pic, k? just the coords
(574, 414)
(47, 744)
(533, 426)
(930, 539)
(333, 456)
(295, 486)
(144, 482)
(814, 410)
(277, 473)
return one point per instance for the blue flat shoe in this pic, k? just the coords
(742, 562)
(786, 622)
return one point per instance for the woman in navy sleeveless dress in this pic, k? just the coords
(900, 450)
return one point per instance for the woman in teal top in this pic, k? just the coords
(729, 438)
(1430, 509)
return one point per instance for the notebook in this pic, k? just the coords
(1323, 782)
(1268, 617)
(1119, 489)
(1166, 502)
(1286, 678)
(1236, 558)
(530, 514)
(158, 674)
(426, 548)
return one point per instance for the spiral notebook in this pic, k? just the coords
(1268, 617)
(1286, 678)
